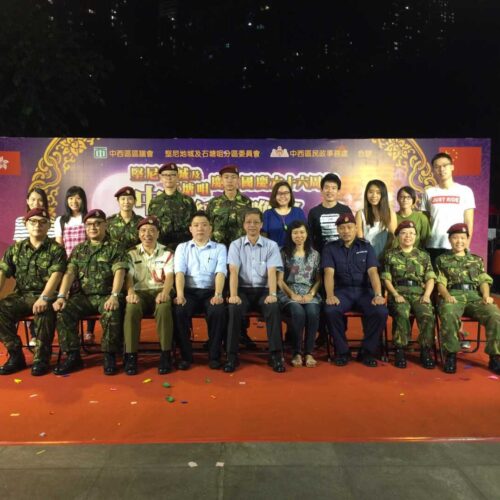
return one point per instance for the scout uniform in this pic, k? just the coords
(225, 215)
(119, 231)
(174, 212)
(408, 272)
(32, 268)
(462, 276)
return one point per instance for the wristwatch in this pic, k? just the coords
(61, 296)
(274, 294)
(46, 298)
(378, 295)
(218, 295)
(115, 294)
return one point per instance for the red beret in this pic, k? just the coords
(458, 228)
(229, 169)
(168, 167)
(125, 191)
(405, 224)
(152, 219)
(36, 212)
(96, 213)
(345, 219)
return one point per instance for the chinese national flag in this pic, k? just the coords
(10, 163)
(467, 160)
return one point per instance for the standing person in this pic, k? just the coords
(226, 211)
(323, 217)
(99, 266)
(464, 288)
(446, 204)
(352, 283)
(149, 284)
(376, 222)
(37, 264)
(173, 209)
(298, 297)
(409, 279)
(36, 198)
(282, 214)
(122, 226)
(253, 262)
(407, 197)
(200, 272)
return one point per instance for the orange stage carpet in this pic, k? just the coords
(326, 403)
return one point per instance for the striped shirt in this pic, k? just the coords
(21, 232)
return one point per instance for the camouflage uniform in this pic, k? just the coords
(94, 267)
(175, 213)
(124, 233)
(415, 266)
(226, 217)
(466, 270)
(32, 269)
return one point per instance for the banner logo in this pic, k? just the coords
(100, 152)
(10, 163)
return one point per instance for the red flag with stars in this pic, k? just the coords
(467, 160)
(10, 163)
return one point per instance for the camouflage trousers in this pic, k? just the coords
(16, 306)
(401, 326)
(147, 305)
(469, 303)
(78, 307)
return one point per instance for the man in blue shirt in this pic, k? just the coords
(352, 283)
(200, 271)
(253, 261)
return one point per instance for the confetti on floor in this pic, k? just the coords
(147, 380)
(192, 464)
(40, 452)
(166, 384)
(18, 380)
(219, 464)
(170, 399)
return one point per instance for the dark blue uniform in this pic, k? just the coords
(353, 288)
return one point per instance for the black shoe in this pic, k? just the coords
(366, 357)
(109, 366)
(450, 363)
(215, 364)
(15, 363)
(231, 363)
(72, 363)
(165, 365)
(183, 365)
(400, 358)
(131, 363)
(426, 359)
(494, 364)
(246, 341)
(342, 359)
(277, 362)
(40, 368)
(206, 345)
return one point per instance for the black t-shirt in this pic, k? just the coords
(322, 224)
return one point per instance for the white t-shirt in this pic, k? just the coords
(446, 207)
(73, 221)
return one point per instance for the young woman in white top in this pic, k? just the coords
(36, 198)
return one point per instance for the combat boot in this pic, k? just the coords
(131, 363)
(15, 363)
(494, 364)
(450, 363)
(110, 367)
(72, 363)
(165, 365)
(426, 358)
(231, 363)
(40, 368)
(400, 358)
(276, 362)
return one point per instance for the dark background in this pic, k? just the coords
(247, 68)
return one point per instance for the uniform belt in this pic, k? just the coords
(408, 283)
(463, 286)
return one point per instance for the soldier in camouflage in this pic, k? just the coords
(173, 209)
(465, 289)
(122, 227)
(226, 212)
(99, 266)
(37, 263)
(409, 279)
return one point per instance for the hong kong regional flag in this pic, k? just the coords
(467, 160)
(10, 163)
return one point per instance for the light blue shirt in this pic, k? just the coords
(200, 264)
(253, 261)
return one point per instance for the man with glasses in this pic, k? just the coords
(99, 266)
(37, 263)
(173, 209)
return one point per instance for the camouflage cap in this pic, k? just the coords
(153, 220)
(346, 219)
(229, 169)
(458, 228)
(170, 167)
(125, 191)
(36, 212)
(405, 224)
(96, 213)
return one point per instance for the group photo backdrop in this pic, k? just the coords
(102, 165)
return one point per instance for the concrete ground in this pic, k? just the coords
(375, 471)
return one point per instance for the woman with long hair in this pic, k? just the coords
(36, 198)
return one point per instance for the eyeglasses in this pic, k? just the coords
(37, 222)
(93, 224)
